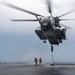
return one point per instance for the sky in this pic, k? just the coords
(18, 41)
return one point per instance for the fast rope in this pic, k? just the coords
(52, 54)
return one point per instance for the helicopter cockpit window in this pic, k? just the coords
(45, 22)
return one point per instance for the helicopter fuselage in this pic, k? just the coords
(49, 31)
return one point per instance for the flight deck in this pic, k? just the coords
(47, 69)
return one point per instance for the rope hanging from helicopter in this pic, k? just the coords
(52, 55)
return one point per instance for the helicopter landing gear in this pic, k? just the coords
(60, 41)
(44, 41)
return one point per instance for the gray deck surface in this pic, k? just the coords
(21, 69)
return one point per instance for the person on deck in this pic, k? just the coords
(36, 60)
(40, 61)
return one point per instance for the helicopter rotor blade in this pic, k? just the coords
(19, 20)
(66, 19)
(66, 13)
(18, 8)
(48, 2)
(65, 26)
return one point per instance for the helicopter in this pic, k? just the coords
(50, 27)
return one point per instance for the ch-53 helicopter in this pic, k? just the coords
(50, 29)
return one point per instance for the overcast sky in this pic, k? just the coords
(18, 41)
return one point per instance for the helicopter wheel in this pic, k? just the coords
(44, 41)
(60, 41)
